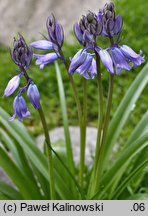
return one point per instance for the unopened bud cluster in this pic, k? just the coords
(88, 28)
(21, 53)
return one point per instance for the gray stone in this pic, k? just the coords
(29, 16)
(5, 178)
(57, 134)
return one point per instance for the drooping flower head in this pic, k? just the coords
(33, 95)
(119, 60)
(136, 59)
(108, 25)
(54, 42)
(20, 109)
(88, 29)
(43, 60)
(12, 85)
(121, 57)
(21, 53)
(106, 60)
(84, 64)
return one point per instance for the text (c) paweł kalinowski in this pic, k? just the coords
(56, 206)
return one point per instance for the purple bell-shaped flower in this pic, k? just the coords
(12, 85)
(33, 95)
(20, 109)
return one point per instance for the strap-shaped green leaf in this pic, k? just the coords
(38, 159)
(139, 196)
(3, 197)
(129, 178)
(9, 191)
(19, 133)
(66, 125)
(7, 140)
(19, 156)
(18, 177)
(140, 130)
(121, 163)
(123, 111)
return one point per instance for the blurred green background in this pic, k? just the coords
(135, 34)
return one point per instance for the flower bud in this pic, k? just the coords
(12, 85)
(91, 24)
(34, 95)
(21, 53)
(55, 31)
(88, 28)
(112, 24)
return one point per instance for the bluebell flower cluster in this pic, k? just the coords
(22, 55)
(87, 31)
(106, 24)
(53, 43)
(114, 58)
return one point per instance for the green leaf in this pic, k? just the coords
(66, 126)
(128, 179)
(9, 191)
(123, 111)
(122, 162)
(43, 182)
(139, 196)
(3, 197)
(19, 157)
(60, 162)
(140, 130)
(37, 158)
(9, 143)
(19, 178)
(18, 132)
(139, 159)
